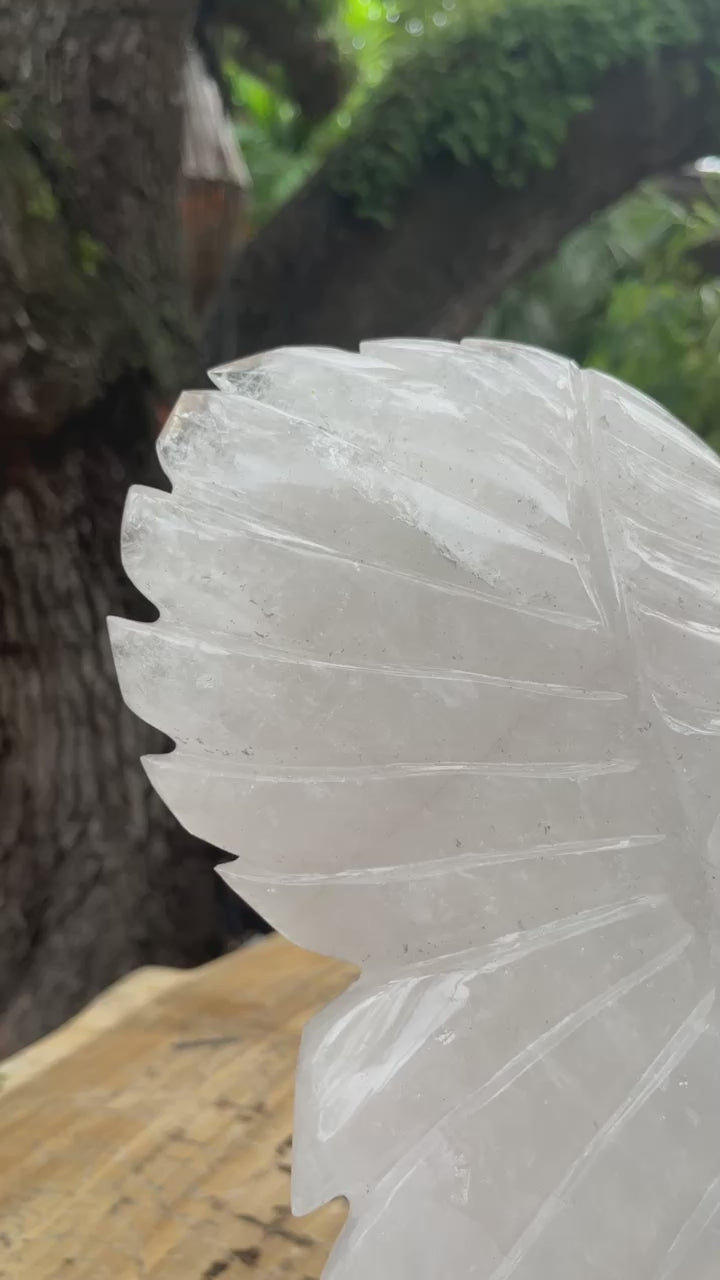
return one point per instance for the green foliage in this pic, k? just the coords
(494, 81)
(501, 86)
(274, 142)
(558, 305)
(372, 35)
(41, 204)
(500, 81)
(626, 294)
(31, 150)
(660, 329)
(375, 33)
(665, 339)
(91, 254)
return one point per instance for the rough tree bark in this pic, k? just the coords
(95, 876)
(90, 118)
(320, 273)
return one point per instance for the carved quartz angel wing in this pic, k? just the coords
(439, 646)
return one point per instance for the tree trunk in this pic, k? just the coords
(90, 132)
(95, 876)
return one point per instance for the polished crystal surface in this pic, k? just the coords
(439, 645)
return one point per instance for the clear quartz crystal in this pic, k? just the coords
(439, 645)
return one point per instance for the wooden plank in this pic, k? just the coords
(136, 989)
(151, 1137)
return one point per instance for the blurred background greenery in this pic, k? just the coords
(636, 292)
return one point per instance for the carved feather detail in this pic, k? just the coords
(439, 646)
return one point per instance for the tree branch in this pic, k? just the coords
(461, 232)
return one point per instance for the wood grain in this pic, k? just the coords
(151, 1137)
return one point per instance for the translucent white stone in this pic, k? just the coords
(439, 645)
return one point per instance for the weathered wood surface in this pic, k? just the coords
(150, 1138)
